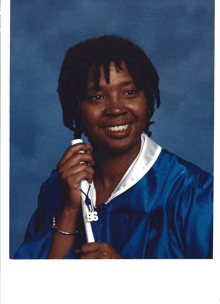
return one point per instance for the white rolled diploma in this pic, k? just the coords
(84, 185)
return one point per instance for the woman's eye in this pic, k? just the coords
(131, 92)
(96, 97)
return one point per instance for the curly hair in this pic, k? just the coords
(72, 83)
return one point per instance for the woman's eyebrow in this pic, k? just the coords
(91, 89)
(127, 83)
(123, 84)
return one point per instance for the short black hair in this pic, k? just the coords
(72, 83)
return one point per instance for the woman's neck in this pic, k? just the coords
(110, 166)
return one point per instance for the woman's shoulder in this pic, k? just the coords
(173, 164)
(167, 164)
(176, 176)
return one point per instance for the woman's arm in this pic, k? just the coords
(67, 221)
(197, 228)
(72, 169)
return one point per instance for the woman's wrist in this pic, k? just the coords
(68, 218)
(54, 226)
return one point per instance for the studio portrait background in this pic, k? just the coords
(178, 37)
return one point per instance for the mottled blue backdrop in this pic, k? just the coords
(178, 37)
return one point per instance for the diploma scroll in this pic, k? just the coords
(84, 187)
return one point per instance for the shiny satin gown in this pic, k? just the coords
(161, 209)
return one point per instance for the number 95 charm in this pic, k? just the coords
(92, 216)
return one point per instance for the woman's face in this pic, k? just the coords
(115, 116)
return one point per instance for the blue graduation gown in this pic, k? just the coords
(167, 214)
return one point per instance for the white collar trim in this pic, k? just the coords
(147, 156)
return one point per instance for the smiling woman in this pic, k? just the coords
(150, 203)
(116, 115)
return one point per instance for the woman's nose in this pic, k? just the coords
(115, 106)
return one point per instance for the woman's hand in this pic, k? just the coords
(97, 251)
(72, 169)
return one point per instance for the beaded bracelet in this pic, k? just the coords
(66, 233)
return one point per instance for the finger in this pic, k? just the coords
(90, 255)
(75, 170)
(75, 178)
(99, 251)
(73, 150)
(71, 153)
(89, 149)
(73, 161)
(78, 251)
(90, 247)
(91, 162)
(95, 255)
(86, 248)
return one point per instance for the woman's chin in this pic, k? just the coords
(117, 144)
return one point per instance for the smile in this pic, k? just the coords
(118, 128)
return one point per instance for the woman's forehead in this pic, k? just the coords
(116, 74)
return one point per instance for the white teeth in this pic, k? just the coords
(118, 128)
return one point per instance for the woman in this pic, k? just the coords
(150, 203)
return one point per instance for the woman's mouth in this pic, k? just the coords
(117, 128)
